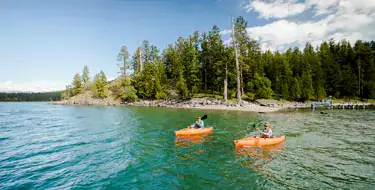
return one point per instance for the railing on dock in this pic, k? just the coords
(347, 105)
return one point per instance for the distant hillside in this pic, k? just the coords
(29, 97)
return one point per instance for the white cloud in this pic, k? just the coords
(276, 9)
(340, 19)
(34, 86)
(322, 6)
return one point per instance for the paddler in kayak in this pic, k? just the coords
(267, 132)
(198, 124)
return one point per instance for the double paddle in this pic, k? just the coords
(202, 118)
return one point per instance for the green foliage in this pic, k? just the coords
(295, 90)
(307, 90)
(201, 63)
(182, 89)
(191, 63)
(194, 90)
(260, 87)
(86, 77)
(161, 95)
(117, 88)
(285, 90)
(123, 56)
(100, 85)
(250, 95)
(77, 85)
(149, 83)
(130, 94)
(28, 97)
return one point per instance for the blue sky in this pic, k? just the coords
(44, 43)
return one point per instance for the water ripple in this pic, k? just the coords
(61, 147)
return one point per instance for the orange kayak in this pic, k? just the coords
(188, 131)
(258, 141)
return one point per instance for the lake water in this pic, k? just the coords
(61, 147)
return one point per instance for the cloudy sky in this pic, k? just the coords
(44, 43)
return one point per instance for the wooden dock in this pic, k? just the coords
(347, 105)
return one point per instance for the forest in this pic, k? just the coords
(203, 64)
(26, 97)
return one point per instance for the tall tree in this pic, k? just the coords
(191, 65)
(137, 61)
(227, 60)
(172, 62)
(237, 63)
(124, 55)
(100, 88)
(86, 77)
(146, 52)
(77, 85)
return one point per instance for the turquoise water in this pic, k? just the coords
(61, 147)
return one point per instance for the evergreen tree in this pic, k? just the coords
(191, 64)
(295, 90)
(100, 88)
(182, 89)
(124, 55)
(260, 87)
(86, 77)
(202, 63)
(136, 61)
(146, 52)
(307, 89)
(77, 85)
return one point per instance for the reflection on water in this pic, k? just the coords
(187, 141)
(257, 158)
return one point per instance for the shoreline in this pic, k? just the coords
(209, 103)
(258, 109)
(199, 104)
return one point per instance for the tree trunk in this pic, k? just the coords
(125, 68)
(140, 60)
(237, 64)
(226, 82)
(242, 91)
(205, 80)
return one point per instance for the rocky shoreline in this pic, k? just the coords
(197, 103)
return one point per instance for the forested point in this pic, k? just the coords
(29, 97)
(202, 63)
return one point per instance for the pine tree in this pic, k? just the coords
(124, 55)
(100, 86)
(295, 90)
(86, 77)
(137, 61)
(77, 85)
(182, 89)
(307, 89)
(191, 64)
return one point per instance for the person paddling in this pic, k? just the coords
(267, 132)
(198, 123)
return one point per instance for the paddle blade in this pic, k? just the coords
(204, 117)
